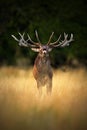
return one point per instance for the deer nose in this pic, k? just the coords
(44, 51)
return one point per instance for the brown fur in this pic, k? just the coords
(42, 72)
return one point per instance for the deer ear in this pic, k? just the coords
(35, 49)
(49, 49)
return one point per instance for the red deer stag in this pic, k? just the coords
(42, 70)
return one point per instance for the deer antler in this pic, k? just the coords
(26, 43)
(63, 43)
(50, 38)
(37, 37)
(21, 41)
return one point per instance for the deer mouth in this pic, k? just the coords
(44, 51)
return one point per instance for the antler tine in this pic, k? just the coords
(50, 38)
(29, 39)
(65, 35)
(71, 38)
(54, 43)
(20, 34)
(23, 34)
(15, 38)
(37, 36)
(66, 42)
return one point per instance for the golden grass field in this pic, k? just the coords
(21, 107)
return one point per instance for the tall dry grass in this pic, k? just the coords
(21, 107)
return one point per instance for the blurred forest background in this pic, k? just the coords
(44, 16)
(21, 107)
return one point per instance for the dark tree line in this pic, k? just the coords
(45, 16)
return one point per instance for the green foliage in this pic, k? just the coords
(45, 16)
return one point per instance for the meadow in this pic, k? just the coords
(21, 107)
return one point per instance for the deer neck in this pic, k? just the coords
(42, 61)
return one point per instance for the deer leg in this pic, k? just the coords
(39, 87)
(49, 86)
